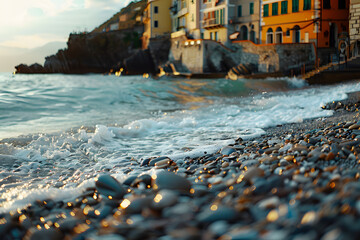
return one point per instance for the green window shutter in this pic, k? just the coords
(307, 4)
(239, 11)
(295, 5)
(284, 7)
(251, 8)
(266, 10)
(275, 9)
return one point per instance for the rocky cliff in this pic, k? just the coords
(90, 53)
(102, 53)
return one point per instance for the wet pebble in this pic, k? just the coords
(109, 186)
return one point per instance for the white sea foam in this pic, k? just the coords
(64, 164)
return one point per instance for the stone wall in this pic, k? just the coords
(354, 26)
(189, 57)
(207, 56)
(277, 57)
(354, 21)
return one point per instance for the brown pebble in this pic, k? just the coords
(330, 156)
(252, 173)
(330, 168)
(162, 164)
(225, 165)
(299, 148)
(354, 126)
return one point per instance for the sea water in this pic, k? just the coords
(58, 132)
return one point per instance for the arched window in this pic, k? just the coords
(243, 33)
(296, 34)
(278, 35)
(269, 36)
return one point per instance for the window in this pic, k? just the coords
(243, 33)
(342, 4)
(306, 37)
(156, 9)
(239, 11)
(216, 36)
(278, 35)
(275, 9)
(284, 7)
(266, 10)
(156, 24)
(326, 4)
(307, 5)
(295, 5)
(251, 7)
(211, 35)
(287, 32)
(296, 34)
(269, 36)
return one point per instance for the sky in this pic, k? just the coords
(33, 23)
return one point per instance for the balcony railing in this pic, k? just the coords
(213, 22)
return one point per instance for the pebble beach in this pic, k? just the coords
(296, 181)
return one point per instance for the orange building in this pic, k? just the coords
(302, 21)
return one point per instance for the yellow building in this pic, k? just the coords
(186, 18)
(157, 20)
(303, 21)
(216, 19)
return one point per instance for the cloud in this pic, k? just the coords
(106, 4)
(25, 23)
(32, 41)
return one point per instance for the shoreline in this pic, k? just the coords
(339, 115)
(298, 180)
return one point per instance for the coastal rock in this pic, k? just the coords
(227, 150)
(164, 198)
(269, 202)
(102, 52)
(45, 234)
(252, 173)
(34, 68)
(154, 161)
(217, 213)
(109, 187)
(171, 181)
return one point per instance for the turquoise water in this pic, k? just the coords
(48, 103)
(61, 131)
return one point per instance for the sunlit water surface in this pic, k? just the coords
(60, 131)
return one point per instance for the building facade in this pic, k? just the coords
(303, 21)
(216, 20)
(247, 21)
(185, 18)
(156, 19)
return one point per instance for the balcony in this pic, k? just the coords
(211, 23)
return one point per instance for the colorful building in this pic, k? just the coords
(216, 19)
(302, 21)
(186, 18)
(157, 20)
(247, 21)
